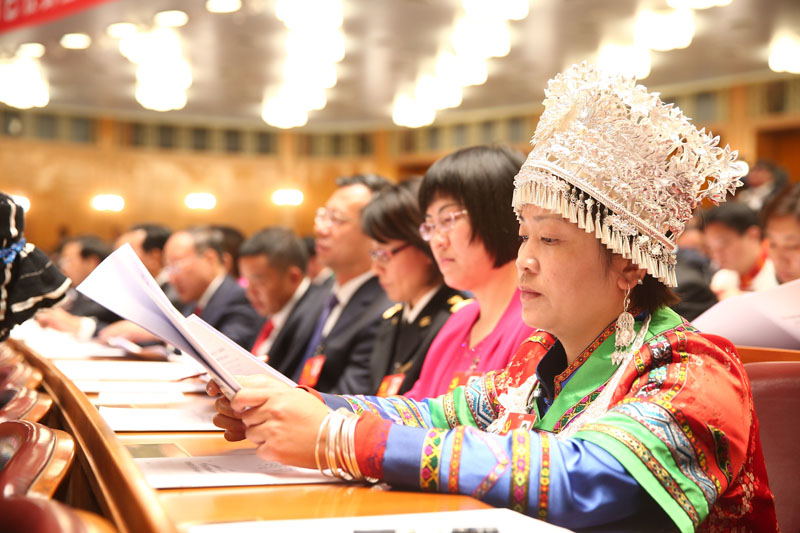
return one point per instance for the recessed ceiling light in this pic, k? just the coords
(171, 19)
(223, 6)
(76, 41)
(34, 50)
(118, 30)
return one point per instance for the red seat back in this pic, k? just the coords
(776, 394)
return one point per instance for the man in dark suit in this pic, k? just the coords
(196, 271)
(79, 314)
(147, 241)
(273, 261)
(337, 357)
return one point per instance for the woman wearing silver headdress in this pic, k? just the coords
(632, 418)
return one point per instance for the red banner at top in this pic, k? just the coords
(18, 13)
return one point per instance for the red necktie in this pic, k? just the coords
(263, 335)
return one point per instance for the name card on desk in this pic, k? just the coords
(122, 284)
(234, 469)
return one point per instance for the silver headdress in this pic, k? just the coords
(614, 159)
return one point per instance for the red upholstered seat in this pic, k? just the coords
(19, 403)
(33, 458)
(36, 515)
(20, 374)
(776, 393)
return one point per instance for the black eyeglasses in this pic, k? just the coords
(383, 256)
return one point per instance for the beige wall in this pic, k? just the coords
(60, 178)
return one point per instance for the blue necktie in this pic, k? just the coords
(316, 337)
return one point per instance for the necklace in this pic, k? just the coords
(476, 356)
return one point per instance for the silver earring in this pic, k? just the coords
(624, 331)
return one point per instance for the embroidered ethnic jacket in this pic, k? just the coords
(679, 424)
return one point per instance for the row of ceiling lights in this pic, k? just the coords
(314, 47)
(203, 201)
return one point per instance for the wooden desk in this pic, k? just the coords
(107, 480)
(757, 354)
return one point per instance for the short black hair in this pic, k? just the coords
(394, 214)
(311, 245)
(207, 238)
(280, 245)
(481, 178)
(785, 203)
(91, 246)
(155, 236)
(734, 215)
(373, 182)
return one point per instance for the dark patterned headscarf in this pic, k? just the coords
(29, 280)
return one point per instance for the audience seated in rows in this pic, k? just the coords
(736, 244)
(79, 314)
(408, 273)
(693, 271)
(273, 264)
(195, 267)
(762, 184)
(337, 356)
(474, 238)
(147, 241)
(194, 259)
(782, 227)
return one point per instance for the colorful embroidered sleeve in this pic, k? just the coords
(571, 483)
(472, 405)
(690, 443)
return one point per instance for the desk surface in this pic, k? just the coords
(119, 491)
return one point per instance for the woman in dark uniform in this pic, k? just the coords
(408, 273)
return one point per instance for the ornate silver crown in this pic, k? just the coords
(614, 159)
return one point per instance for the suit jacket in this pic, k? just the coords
(348, 346)
(289, 346)
(230, 312)
(401, 347)
(81, 305)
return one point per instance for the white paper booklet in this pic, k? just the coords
(191, 416)
(768, 318)
(235, 469)
(122, 284)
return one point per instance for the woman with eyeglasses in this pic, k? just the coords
(406, 270)
(632, 420)
(473, 237)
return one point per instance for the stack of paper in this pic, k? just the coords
(122, 284)
(768, 318)
(233, 469)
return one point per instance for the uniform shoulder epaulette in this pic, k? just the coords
(393, 310)
(457, 302)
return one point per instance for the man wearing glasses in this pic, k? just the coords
(337, 356)
(197, 272)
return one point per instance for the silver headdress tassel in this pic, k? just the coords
(618, 162)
